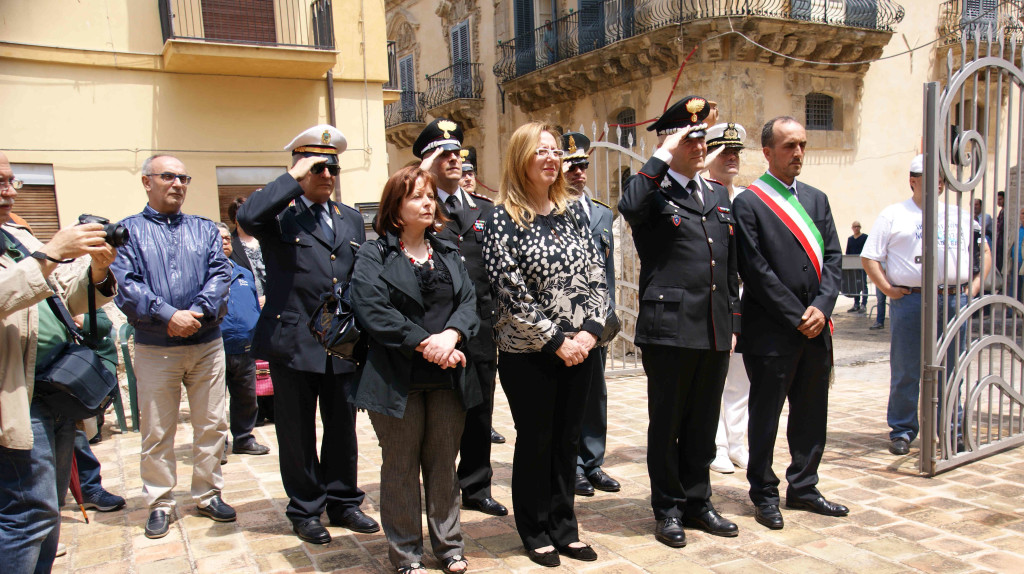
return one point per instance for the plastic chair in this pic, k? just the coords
(127, 332)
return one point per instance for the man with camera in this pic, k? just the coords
(30, 332)
(174, 280)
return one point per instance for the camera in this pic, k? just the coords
(117, 234)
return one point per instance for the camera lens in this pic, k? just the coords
(117, 235)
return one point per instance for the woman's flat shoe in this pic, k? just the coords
(549, 559)
(583, 553)
(447, 564)
(410, 568)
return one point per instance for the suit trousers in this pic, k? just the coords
(313, 483)
(475, 451)
(731, 438)
(161, 373)
(547, 400)
(802, 377)
(594, 432)
(427, 438)
(684, 396)
(240, 372)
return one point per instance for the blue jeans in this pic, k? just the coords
(905, 362)
(29, 519)
(880, 316)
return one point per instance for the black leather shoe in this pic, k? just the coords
(603, 482)
(158, 524)
(712, 522)
(549, 558)
(769, 515)
(670, 533)
(583, 486)
(899, 446)
(218, 510)
(356, 521)
(487, 506)
(583, 553)
(818, 505)
(252, 447)
(312, 531)
(496, 438)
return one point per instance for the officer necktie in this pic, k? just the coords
(694, 190)
(320, 213)
(454, 205)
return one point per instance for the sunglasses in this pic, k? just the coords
(584, 166)
(320, 167)
(168, 177)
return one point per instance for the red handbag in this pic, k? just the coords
(264, 386)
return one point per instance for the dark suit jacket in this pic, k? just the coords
(601, 218)
(387, 299)
(301, 266)
(463, 232)
(779, 280)
(689, 289)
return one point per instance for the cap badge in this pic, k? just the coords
(326, 137)
(447, 126)
(572, 144)
(464, 154)
(731, 132)
(694, 106)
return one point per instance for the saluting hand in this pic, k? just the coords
(428, 162)
(301, 168)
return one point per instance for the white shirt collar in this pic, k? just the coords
(791, 187)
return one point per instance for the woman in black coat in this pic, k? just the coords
(413, 296)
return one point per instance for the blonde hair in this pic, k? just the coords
(513, 194)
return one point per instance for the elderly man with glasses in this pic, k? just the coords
(174, 282)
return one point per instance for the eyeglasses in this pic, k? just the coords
(584, 166)
(12, 183)
(546, 151)
(320, 167)
(168, 177)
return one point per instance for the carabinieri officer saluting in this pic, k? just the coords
(689, 311)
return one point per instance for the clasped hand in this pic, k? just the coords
(812, 322)
(574, 350)
(440, 349)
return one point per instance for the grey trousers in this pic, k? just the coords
(426, 437)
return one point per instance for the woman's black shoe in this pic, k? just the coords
(549, 559)
(583, 553)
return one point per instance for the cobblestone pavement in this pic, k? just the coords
(968, 519)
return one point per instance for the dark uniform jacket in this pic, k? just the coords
(388, 304)
(467, 235)
(779, 280)
(689, 290)
(301, 266)
(601, 219)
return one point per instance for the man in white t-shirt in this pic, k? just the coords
(896, 241)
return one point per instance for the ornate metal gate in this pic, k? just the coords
(972, 404)
(610, 165)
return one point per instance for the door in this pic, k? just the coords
(407, 79)
(462, 72)
(524, 42)
(591, 24)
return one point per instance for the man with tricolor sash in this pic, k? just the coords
(790, 260)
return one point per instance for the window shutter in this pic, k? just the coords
(251, 21)
(37, 205)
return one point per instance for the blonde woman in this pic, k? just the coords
(551, 297)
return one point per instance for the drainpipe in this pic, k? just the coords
(331, 119)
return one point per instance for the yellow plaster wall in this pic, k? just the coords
(111, 25)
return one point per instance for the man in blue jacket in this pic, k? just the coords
(240, 366)
(174, 282)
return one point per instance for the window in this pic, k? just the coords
(235, 182)
(462, 73)
(625, 117)
(820, 111)
(240, 21)
(37, 200)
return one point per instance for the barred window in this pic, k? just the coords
(627, 116)
(819, 112)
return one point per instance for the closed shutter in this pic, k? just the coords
(591, 24)
(525, 58)
(462, 75)
(249, 21)
(37, 204)
(226, 195)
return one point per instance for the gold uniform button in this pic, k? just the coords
(713, 263)
(714, 287)
(296, 240)
(333, 257)
(710, 240)
(335, 280)
(278, 317)
(661, 296)
(703, 218)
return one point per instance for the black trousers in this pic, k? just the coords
(684, 398)
(240, 375)
(547, 400)
(475, 451)
(594, 431)
(328, 482)
(802, 378)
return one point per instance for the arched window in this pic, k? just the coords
(627, 116)
(820, 110)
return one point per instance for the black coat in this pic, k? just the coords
(238, 252)
(301, 266)
(779, 280)
(689, 289)
(389, 306)
(468, 236)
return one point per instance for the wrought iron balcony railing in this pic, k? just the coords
(300, 23)
(461, 80)
(392, 67)
(409, 109)
(982, 20)
(601, 23)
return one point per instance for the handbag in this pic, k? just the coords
(612, 326)
(264, 384)
(333, 324)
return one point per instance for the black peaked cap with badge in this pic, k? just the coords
(687, 112)
(468, 159)
(576, 147)
(440, 133)
(323, 140)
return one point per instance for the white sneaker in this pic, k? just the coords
(722, 464)
(740, 459)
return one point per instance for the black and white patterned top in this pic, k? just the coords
(547, 279)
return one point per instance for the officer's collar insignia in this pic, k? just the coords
(666, 183)
(676, 220)
(447, 126)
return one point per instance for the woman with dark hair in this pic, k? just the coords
(552, 300)
(414, 298)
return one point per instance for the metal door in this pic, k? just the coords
(972, 360)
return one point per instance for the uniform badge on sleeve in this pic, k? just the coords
(478, 225)
(676, 220)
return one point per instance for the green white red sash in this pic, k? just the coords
(785, 206)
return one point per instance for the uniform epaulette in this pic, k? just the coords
(599, 202)
(713, 180)
(478, 196)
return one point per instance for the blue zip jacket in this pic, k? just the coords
(172, 262)
(243, 311)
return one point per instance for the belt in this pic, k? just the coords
(943, 289)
